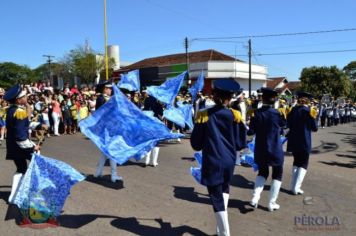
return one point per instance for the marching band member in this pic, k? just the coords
(301, 122)
(101, 100)
(219, 133)
(267, 124)
(19, 147)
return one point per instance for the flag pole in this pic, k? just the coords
(106, 44)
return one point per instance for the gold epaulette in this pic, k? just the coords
(251, 112)
(313, 112)
(283, 112)
(237, 115)
(202, 117)
(20, 114)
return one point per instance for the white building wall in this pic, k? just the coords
(231, 69)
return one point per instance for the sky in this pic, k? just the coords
(149, 28)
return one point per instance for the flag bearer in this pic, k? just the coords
(106, 88)
(219, 133)
(19, 147)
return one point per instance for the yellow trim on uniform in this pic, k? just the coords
(283, 112)
(202, 117)
(313, 112)
(251, 112)
(20, 114)
(237, 115)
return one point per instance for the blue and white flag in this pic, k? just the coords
(174, 115)
(249, 156)
(167, 91)
(196, 171)
(130, 81)
(181, 116)
(121, 130)
(46, 185)
(151, 114)
(187, 111)
(197, 87)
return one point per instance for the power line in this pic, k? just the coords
(299, 53)
(183, 14)
(217, 41)
(310, 52)
(279, 35)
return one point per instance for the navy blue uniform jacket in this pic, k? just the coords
(17, 125)
(267, 124)
(301, 124)
(100, 101)
(219, 133)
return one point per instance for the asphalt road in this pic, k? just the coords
(167, 201)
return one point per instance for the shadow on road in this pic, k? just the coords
(105, 181)
(12, 211)
(130, 224)
(5, 195)
(348, 138)
(77, 221)
(135, 163)
(133, 225)
(241, 182)
(346, 156)
(346, 165)
(188, 194)
(190, 159)
(322, 148)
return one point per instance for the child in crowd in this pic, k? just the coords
(66, 117)
(83, 111)
(3, 108)
(74, 112)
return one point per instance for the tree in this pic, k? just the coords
(84, 63)
(353, 90)
(12, 73)
(325, 80)
(350, 70)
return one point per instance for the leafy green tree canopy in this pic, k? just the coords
(350, 70)
(12, 73)
(325, 80)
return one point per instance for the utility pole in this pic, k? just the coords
(49, 61)
(186, 45)
(106, 44)
(249, 67)
(235, 64)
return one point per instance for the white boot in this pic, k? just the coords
(114, 176)
(15, 184)
(100, 166)
(222, 223)
(294, 177)
(226, 200)
(155, 153)
(298, 183)
(273, 195)
(226, 203)
(238, 158)
(148, 157)
(178, 139)
(259, 185)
